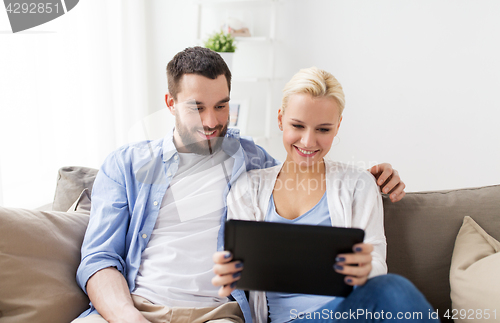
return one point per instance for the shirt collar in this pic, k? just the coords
(169, 149)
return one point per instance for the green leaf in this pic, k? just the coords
(221, 42)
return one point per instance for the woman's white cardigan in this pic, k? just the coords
(353, 197)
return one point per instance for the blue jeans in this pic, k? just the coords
(386, 298)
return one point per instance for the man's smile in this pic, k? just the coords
(207, 135)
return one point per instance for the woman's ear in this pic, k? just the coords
(338, 126)
(280, 119)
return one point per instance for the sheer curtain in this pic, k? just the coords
(71, 91)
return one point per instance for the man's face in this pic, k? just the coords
(201, 113)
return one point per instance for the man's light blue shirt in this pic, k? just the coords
(126, 199)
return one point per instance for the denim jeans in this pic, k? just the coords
(386, 298)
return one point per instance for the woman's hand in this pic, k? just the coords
(227, 272)
(389, 181)
(356, 266)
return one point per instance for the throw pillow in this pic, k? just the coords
(39, 255)
(70, 183)
(82, 203)
(474, 275)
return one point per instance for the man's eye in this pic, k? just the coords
(298, 126)
(220, 107)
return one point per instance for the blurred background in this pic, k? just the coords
(421, 80)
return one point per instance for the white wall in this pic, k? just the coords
(419, 77)
(70, 90)
(421, 80)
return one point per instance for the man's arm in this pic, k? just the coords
(104, 244)
(387, 177)
(101, 271)
(258, 156)
(108, 291)
(389, 181)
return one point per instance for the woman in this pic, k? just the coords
(309, 189)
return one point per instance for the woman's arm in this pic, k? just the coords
(242, 200)
(368, 259)
(241, 205)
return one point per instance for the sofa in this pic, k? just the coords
(445, 242)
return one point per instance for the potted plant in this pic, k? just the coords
(224, 44)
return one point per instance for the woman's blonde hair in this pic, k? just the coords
(317, 83)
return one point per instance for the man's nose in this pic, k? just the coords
(209, 118)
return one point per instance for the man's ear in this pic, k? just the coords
(169, 101)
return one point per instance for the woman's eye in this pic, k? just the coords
(297, 126)
(324, 129)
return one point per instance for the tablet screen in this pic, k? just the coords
(290, 258)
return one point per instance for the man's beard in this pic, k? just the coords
(193, 143)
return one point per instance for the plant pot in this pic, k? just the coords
(228, 58)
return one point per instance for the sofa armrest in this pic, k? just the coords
(39, 256)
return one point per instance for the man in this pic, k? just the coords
(157, 208)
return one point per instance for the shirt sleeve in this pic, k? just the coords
(258, 157)
(368, 214)
(243, 205)
(242, 199)
(105, 238)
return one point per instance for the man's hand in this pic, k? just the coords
(227, 272)
(356, 266)
(389, 181)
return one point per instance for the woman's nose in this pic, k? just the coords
(308, 139)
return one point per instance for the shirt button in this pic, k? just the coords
(144, 236)
(176, 157)
(169, 174)
(155, 203)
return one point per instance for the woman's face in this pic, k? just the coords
(309, 127)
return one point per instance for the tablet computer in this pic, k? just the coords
(290, 258)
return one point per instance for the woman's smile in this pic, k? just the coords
(306, 152)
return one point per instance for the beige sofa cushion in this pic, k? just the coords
(421, 230)
(39, 255)
(474, 281)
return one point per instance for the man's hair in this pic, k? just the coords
(195, 60)
(317, 83)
